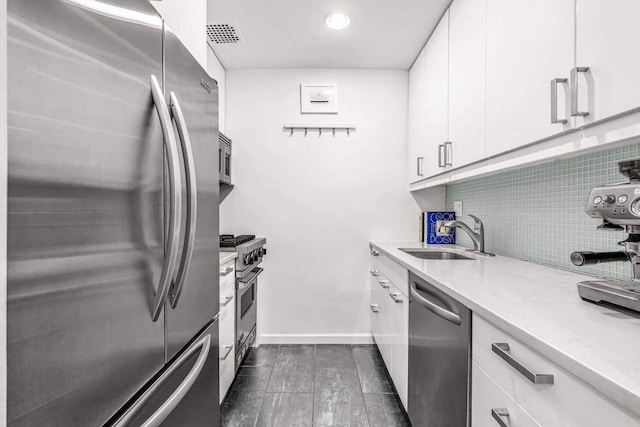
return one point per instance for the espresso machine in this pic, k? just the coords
(619, 207)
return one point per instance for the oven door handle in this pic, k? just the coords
(245, 283)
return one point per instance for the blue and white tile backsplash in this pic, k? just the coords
(537, 213)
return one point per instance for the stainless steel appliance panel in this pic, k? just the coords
(85, 240)
(439, 357)
(194, 301)
(186, 393)
(246, 312)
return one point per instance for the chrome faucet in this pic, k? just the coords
(477, 234)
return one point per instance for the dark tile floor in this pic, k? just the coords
(313, 385)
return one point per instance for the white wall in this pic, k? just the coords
(216, 70)
(3, 211)
(188, 20)
(318, 200)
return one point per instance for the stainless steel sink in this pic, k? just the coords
(433, 254)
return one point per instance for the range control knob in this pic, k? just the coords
(609, 200)
(255, 256)
(246, 259)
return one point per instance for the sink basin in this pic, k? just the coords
(432, 254)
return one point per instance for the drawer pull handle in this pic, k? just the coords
(375, 308)
(227, 300)
(384, 283)
(226, 271)
(226, 353)
(502, 350)
(374, 273)
(501, 415)
(396, 297)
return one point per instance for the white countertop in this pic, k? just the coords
(540, 306)
(227, 256)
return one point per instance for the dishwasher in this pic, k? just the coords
(439, 357)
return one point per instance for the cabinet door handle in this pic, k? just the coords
(374, 252)
(575, 112)
(501, 415)
(384, 283)
(396, 297)
(226, 271)
(419, 166)
(374, 273)
(227, 300)
(375, 308)
(448, 154)
(554, 100)
(227, 352)
(502, 350)
(441, 161)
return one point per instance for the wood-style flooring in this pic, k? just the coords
(313, 385)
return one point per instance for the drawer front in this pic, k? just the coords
(566, 402)
(227, 274)
(398, 275)
(487, 397)
(227, 357)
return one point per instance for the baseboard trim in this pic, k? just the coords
(316, 339)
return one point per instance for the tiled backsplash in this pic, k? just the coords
(537, 213)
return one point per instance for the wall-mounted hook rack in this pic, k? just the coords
(291, 127)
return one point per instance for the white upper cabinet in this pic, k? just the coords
(607, 34)
(467, 38)
(529, 43)
(437, 101)
(417, 114)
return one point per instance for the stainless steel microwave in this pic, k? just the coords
(224, 158)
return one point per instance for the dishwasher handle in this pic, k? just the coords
(435, 308)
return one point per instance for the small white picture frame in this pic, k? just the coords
(318, 98)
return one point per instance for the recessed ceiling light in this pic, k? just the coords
(337, 21)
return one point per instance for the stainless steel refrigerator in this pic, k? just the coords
(112, 219)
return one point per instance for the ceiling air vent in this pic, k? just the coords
(223, 33)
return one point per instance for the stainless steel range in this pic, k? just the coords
(250, 251)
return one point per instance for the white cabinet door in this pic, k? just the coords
(487, 397)
(400, 343)
(417, 114)
(607, 36)
(529, 43)
(437, 101)
(467, 37)
(375, 308)
(226, 321)
(386, 322)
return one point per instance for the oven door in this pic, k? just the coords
(246, 310)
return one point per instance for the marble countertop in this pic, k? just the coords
(540, 306)
(227, 256)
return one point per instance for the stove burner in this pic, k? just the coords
(231, 241)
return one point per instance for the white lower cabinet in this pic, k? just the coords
(489, 401)
(566, 402)
(226, 320)
(390, 322)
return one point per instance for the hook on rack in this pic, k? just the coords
(305, 131)
(334, 132)
(348, 134)
(319, 132)
(291, 134)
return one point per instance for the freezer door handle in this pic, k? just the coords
(435, 308)
(179, 393)
(175, 199)
(192, 201)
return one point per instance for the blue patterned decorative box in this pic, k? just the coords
(435, 233)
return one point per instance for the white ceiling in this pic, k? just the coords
(292, 34)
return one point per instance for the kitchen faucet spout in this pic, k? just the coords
(477, 234)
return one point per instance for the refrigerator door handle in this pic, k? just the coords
(179, 393)
(175, 199)
(192, 200)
